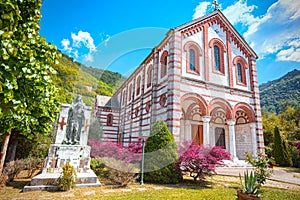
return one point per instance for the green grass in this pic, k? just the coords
(217, 188)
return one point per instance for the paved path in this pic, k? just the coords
(278, 175)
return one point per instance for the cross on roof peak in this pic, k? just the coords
(215, 3)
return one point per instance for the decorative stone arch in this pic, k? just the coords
(163, 64)
(222, 49)
(221, 103)
(197, 99)
(138, 86)
(244, 110)
(218, 115)
(190, 45)
(242, 62)
(130, 92)
(149, 75)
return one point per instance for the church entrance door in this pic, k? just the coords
(197, 133)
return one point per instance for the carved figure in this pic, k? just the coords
(75, 122)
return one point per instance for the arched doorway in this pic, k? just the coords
(245, 130)
(220, 112)
(194, 109)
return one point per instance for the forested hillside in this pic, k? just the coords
(74, 78)
(276, 95)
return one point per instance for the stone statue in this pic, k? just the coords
(75, 122)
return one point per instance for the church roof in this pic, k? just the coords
(213, 16)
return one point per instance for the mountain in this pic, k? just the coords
(74, 78)
(277, 94)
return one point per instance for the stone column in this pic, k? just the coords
(187, 130)
(206, 120)
(254, 140)
(232, 145)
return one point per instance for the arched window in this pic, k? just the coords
(217, 58)
(217, 51)
(164, 64)
(239, 73)
(124, 96)
(138, 86)
(220, 137)
(149, 76)
(109, 121)
(193, 55)
(192, 60)
(241, 66)
(130, 92)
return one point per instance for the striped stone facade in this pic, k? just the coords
(200, 98)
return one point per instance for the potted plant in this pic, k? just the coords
(250, 189)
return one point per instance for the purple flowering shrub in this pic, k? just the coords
(130, 154)
(297, 145)
(200, 161)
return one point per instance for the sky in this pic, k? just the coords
(118, 35)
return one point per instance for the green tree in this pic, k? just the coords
(269, 121)
(289, 123)
(28, 100)
(161, 155)
(281, 151)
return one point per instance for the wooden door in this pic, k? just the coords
(197, 133)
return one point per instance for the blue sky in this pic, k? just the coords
(117, 35)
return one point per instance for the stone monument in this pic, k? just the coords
(70, 146)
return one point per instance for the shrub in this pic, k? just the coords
(32, 164)
(120, 172)
(295, 152)
(36, 147)
(281, 151)
(200, 161)
(3, 179)
(98, 166)
(67, 178)
(160, 156)
(261, 165)
(130, 154)
(13, 168)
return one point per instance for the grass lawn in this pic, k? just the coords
(217, 188)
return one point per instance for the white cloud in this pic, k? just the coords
(84, 38)
(240, 12)
(89, 58)
(277, 31)
(201, 9)
(295, 43)
(82, 46)
(291, 54)
(107, 39)
(65, 43)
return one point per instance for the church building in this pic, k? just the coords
(201, 79)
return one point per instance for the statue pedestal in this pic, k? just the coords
(77, 155)
(74, 121)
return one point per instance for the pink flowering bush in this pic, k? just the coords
(130, 154)
(200, 161)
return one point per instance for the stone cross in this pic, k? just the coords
(62, 123)
(215, 3)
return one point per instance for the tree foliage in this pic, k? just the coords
(200, 161)
(287, 122)
(278, 94)
(74, 78)
(28, 100)
(281, 151)
(161, 155)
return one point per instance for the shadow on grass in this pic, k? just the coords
(18, 183)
